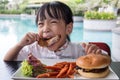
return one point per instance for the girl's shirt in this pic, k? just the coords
(68, 50)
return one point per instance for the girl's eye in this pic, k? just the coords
(40, 24)
(54, 21)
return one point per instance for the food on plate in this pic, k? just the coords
(47, 75)
(48, 42)
(62, 71)
(26, 68)
(32, 66)
(65, 70)
(93, 65)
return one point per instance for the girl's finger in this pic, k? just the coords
(92, 49)
(99, 51)
(29, 36)
(32, 36)
(88, 48)
(37, 37)
(83, 45)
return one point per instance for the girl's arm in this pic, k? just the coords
(28, 39)
(12, 53)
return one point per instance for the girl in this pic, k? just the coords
(53, 18)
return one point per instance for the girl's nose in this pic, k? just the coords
(46, 29)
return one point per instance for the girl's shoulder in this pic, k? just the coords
(75, 44)
(35, 44)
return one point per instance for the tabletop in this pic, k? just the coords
(9, 67)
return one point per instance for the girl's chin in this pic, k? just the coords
(52, 48)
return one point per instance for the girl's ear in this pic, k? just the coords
(69, 28)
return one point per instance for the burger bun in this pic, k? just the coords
(93, 65)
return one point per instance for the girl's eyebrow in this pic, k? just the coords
(48, 19)
(40, 20)
(54, 19)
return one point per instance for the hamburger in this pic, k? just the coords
(44, 42)
(93, 65)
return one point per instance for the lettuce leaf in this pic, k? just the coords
(27, 69)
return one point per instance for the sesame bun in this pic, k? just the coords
(93, 65)
(95, 61)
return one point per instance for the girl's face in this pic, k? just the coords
(50, 27)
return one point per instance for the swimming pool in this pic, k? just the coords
(12, 29)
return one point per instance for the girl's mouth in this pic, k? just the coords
(47, 42)
(53, 40)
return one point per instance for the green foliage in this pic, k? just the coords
(3, 3)
(23, 4)
(79, 1)
(78, 13)
(10, 11)
(27, 11)
(73, 4)
(21, 8)
(106, 1)
(99, 15)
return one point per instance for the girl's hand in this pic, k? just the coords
(29, 38)
(91, 48)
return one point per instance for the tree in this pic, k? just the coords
(3, 4)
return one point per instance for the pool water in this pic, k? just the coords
(12, 29)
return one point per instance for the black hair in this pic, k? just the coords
(57, 10)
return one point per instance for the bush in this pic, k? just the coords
(27, 11)
(99, 15)
(10, 11)
(73, 4)
(78, 13)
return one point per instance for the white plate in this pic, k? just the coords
(18, 75)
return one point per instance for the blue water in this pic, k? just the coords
(20, 26)
(14, 28)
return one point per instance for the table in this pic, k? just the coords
(9, 67)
